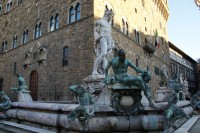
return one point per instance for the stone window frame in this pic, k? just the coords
(37, 30)
(108, 6)
(25, 36)
(8, 6)
(78, 12)
(72, 15)
(14, 43)
(4, 46)
(65, 58)
(53, 22)
(125, 26)
(137, 36)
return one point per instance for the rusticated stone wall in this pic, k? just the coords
(54, 78)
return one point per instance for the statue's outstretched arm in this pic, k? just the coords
(134, 67)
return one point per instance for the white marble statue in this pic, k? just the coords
(104, 43)
(181, 79)
(164, 76)
(185, 83)
(185, 89)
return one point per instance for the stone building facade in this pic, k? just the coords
(183, 64)
(52, 43)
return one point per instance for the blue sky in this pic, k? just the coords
(184, 26)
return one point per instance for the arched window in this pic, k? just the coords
(127, 32)
(38, 30)
(137, 36)
(74, 13)
(65, 55)
(14, 42)
(123, 25)
(25, 37)
(4, 47)
(78, 12)
(52, 23)
(71, 15)
(56, 21)
(8, 5)
(0, 9)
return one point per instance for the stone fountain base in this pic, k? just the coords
(53, 116)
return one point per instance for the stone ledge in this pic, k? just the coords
(22, 127)
(57, 106)
(162, 105)
(99, 108)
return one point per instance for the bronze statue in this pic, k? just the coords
(175, 83)
(164, 76)
(86, 101)
(21, 84)
(195, 100)
(6, 102)
(120, 67)
(172, 112)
